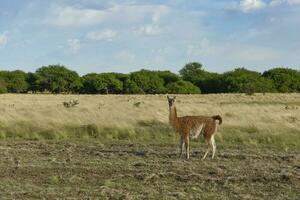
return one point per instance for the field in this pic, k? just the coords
(121, 147)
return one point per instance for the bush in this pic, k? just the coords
(57, 79)
(72, 103)
(245, 81)
(106, 83)
(284, 79)
(14, 81)
(3, 88)
(193, 79)
(183, 87)
(148, 81)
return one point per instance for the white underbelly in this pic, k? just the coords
(194, 134)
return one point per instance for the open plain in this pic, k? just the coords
(121, 147)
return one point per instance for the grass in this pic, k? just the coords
(270, 119)
(121, 147)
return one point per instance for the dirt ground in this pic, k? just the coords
(37, 169)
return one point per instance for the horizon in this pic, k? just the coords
(126, 36)
(175, 72)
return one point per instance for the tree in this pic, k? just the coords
(194, 73)
(113, 84)
(210, 83)
(3, 88)
(32, 82)
(284, 79)
(57, 79)
(148, 81)
(242, 80)
(106, 83)
(130, 87)
(182, 87)
(120, 76)
(167, 76)
(93, 84)
(15, 81)
(192, 79)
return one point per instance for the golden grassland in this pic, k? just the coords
(256, 119)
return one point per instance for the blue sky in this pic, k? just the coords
(124, 36)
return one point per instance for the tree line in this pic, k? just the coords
(192, 79)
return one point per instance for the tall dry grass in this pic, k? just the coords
(267, 119)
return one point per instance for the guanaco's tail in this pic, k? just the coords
(217, 117)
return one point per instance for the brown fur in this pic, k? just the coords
(186, 125)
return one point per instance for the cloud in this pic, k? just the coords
(106, 35)
(153, 28)
(246, 6)
(164, 50)
(73, 45)
(250, 53)
(204, 48)
(159, 13)
(149, 30)
(251, 5)
(293, 2)
(69, 16)
(3, 39)
(125, 56)
(118, 13)
(276, 2)
(279, 2)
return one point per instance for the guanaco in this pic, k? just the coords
(190, 127)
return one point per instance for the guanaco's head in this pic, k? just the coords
(171, 101)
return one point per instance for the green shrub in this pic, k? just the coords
(71, 103)
(3, 88)
(183, 87)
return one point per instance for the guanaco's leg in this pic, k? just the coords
(209, 145)
(214, 146)
(187, 146)
(181, 146)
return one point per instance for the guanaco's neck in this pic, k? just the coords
(172, 116)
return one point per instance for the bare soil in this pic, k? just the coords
(90, 170)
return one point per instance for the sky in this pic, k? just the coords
(125, 36)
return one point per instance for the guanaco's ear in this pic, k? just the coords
(168, 97)
(174, 97)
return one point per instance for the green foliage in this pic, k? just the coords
(113, 83)
(245, 81)
(168, 77)
(15, 81)
(32, 82)
(131, 87)
(148, 81)
(54, 180)
(137, 104)
(212, 84)
(57, 79)
(121, 77)
(284, 79)
(194, 73)
(3, 88)
(106, 83)
(93, 84)
(192, 79)
(183, 87)
(71, 103)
